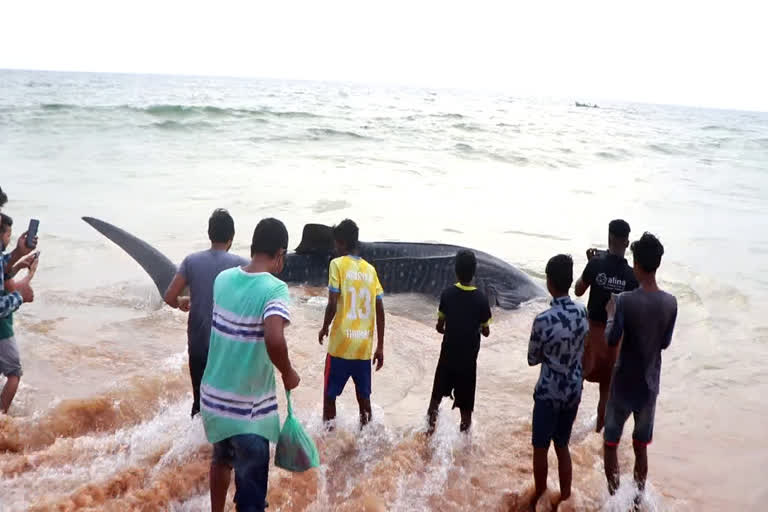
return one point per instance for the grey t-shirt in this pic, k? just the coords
(200, 270)
(647, 320)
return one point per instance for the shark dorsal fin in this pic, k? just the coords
(316, 238)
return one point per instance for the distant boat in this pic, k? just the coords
(586, 105)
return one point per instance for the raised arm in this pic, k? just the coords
(586, 279)
(19, 252)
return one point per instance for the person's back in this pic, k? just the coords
(647, 317)
(238, 363)
(466, 310)
(200, 270)
(557, 343)
(352, 332)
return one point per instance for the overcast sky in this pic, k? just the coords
(674, 51)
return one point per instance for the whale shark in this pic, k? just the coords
(403, 267)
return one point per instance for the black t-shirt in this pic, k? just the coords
(605, 275)
(465, 310)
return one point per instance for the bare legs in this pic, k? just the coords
(220, 475)
(9, 391)
(329, 411)
(541, 468)
(432, 412)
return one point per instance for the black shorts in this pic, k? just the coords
(456, 381)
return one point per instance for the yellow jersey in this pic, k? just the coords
(352, 331)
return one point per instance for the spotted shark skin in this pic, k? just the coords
(403, 267)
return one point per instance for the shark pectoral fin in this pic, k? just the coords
(155, 263)
(316, 238)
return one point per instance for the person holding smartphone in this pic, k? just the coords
(606, 272)
(10, 361)
(10, 302)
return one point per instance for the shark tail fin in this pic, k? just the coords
(155, 263)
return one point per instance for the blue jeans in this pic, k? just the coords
(248, 454)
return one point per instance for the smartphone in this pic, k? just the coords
(32, 233)
(600, 253)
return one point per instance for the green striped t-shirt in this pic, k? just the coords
(237, 393)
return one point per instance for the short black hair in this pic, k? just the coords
(5, 222)
(3, 198)
(560, 272)
(647, 252)
(269, 237)
(619, 228)
(466, 265)
(221, 226)
(346, 231)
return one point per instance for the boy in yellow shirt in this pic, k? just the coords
(355, 305)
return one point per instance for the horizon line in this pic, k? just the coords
(389, 84)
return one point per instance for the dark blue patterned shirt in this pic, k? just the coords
(557, 343)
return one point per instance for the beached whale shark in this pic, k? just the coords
(403, 267)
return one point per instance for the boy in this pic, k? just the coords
(10, 302)
(198, 271)
(10, 362)
(237, 393)
(355, 282)
(646, 318)
(604, 275)
(462, 315)
(557, 343)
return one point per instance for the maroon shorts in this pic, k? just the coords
(599, 359)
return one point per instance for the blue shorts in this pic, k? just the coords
(552, 422)
(617, 413)
(248, 454)
(338, 371)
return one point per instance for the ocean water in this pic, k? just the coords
(101, 419)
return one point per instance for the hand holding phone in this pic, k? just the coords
(34, 224)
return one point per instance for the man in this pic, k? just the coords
(198, 271)
(23, 292)
(237, 395)
(604, 274)
(646, 318)
(355, 282)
